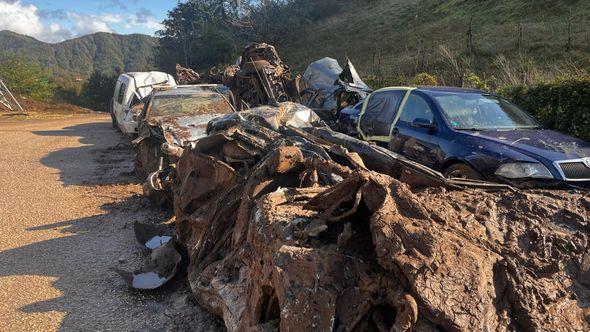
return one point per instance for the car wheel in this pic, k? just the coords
(114, 121)
(461, 171)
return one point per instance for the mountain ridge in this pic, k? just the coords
(76, 58)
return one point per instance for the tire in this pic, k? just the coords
(114, 121)
(461, 171)
(113, 118)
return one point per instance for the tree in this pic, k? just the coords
(198, 34)
(26, 78)
(98, 91)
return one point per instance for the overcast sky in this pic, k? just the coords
(58, 20)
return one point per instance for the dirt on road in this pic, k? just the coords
(69, 201)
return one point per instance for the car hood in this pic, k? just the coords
(542, 143)
(183, 130)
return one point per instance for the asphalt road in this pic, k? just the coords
(68, 202)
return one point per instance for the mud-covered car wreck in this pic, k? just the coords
(292, 226)
(174, 119)
(261, 78)
(327, 88)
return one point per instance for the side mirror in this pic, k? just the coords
(423, 123)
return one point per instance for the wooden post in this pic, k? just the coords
(421, 55)
(470, 36)
(569, 33)
(379, 61)
(520, 37)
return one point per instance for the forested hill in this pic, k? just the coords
(79, 57)
(541, 38)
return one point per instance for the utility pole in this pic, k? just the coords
(7, 98)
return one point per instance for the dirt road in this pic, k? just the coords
(69, 200)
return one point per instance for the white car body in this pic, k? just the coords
(131, 89)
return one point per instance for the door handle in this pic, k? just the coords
(395, 131)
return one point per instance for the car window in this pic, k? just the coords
(380, 112)
(183, 105)
(122, 90)
(416, 108)
(117, 89)
(482, 111)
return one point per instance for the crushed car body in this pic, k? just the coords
(292, 226)
(174, 119)
(327, 88)
(261, 78)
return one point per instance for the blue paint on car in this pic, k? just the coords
(441, 127)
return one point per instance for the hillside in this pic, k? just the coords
(79, 57)
(398, 28)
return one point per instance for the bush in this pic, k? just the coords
(425, 79)
(563, 105)
(26, 78)
(471, 80)
(387, 81)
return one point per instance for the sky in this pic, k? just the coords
(58, 20)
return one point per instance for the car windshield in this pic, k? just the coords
(470, 111)
(190, 104)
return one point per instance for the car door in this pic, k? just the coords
(379, 113)
(414, 135)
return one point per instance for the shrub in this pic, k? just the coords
(563, 105)
(425, 79)
(471, 80)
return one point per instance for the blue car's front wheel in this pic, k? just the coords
(461, 171)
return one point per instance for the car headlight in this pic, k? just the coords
(524, 170)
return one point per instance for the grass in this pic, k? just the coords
(395, 29)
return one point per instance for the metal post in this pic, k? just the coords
(3, 100)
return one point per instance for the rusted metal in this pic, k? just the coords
(289, 227)
(261, 78)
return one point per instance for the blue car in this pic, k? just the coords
(470, 134)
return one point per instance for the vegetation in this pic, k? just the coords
(26, 78)
(98, 91)
(78, 58)
(562, 105)
(203, 33)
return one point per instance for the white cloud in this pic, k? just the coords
(143, 18)
(86, 24)
(20, 18)
(43, 25)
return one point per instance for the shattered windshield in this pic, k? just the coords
(187, 105)
(469, 111)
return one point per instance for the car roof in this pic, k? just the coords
(433, 89)
(449, 89)
(185, 90)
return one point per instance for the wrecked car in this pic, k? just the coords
(131, 90)
(327, 88)
(471, 134)
(173, 119)
(261, 78)
(291, 226)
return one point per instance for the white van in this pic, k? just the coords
(128, 99)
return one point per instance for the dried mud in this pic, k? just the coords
(288, 231)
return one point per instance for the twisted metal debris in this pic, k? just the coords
(292, 226)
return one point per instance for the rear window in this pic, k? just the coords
(187, 105)
(121, 95)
